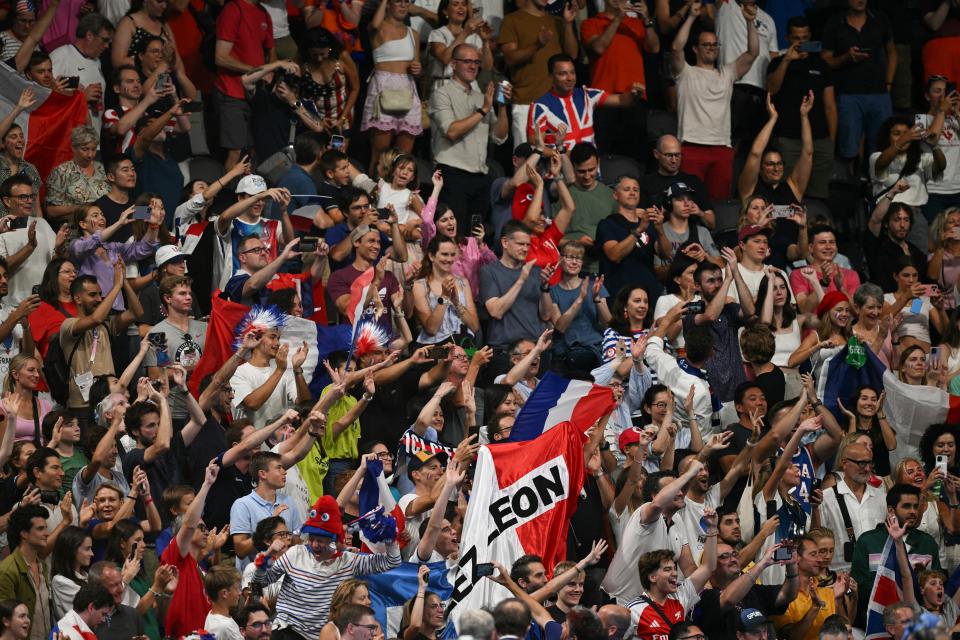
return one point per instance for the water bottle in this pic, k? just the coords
(856, 353)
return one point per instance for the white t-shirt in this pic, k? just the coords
(223, 627)
(418, 24)
(248, 379)
(623, 580)
(68, 61)
(732, 32)
(411, 525)
(31, 270)
(399, 198)
(444, 36)
(689, 517)
(950, 145)
(278, 15)
(916, 195)
(703, 106)
(664, 304)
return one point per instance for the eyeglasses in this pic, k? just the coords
(709, 45)
(24, 197)
(371, 627)
(573, 258)
(254, 250)
(469, 61)
(461, 357)
(384, 455)
(773, 164)
(283, 534)
(659, 405)
(696, 636)
(264, 624)
(203, 527)
(726, 556)
(863, 464)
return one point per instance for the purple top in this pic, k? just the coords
(83, 251)
(470, 257)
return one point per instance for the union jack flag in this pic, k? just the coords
(575, 110)
(887, 589)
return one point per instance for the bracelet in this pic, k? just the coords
(148, 501)
(298, 371)
(130, 497)
(750, 443)
(596, 301)
(816, 405)
(367, 396)
(710, 535)
(314, 434)
(545, 288)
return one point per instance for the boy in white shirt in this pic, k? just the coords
(222, 584)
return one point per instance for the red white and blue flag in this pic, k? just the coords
(524, 494)
(887, 589)
(375, 492)
(557, 400)
(575, 111)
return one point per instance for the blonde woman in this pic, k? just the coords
(836, 327)
(935, 516)
(350, 591)
(23, 377)
(944, 264)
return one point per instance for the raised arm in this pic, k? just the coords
(520, 370)
(102, 311)
(800, 176)
(650, 511)
(745, 60)
(194, 512)
(708, 561)
(452, 479)
(677, 59)
(751, 168)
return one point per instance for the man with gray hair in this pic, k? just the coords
(82, 59)
(896, 617)
(477, 624)
(124, 621)
(102, 451)
(511, 617)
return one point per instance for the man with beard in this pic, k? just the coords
(647, 530)
(903, 501)
(813, 604)
(132, 104)
(853, 506)
(884, 244)
(733, 590)
(254, 622)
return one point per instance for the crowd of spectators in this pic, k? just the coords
(704, 206)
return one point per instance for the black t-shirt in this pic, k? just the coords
(773, 384)
(163, 472)
(111, 211)
(637, 267)
(717, 622)
(272, 118)
(882, 256)
(655, 184)
(782, 194)
(869, 76)
(736, 444)
(807, 74)
(385, 418)
(210, 443)
(586, 525)
(785, 233)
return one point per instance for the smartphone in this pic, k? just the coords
(157, 338)
(438, 352)
(916, 305)
(483, 570)
(383, 213)
(193, 107)
(157, 384)
(782, 211)
(35, 290)
(141, 212)
(782, 553)
(478, 12)
(931, 290)
(308, 244)
(933, 358)
(475, 221)
(50, 497)
(694, 308)
(162, 79)
(20, 222)
(815, 484)
(941, 463)
(133, 551)
(950, 88)
(920, 120)
(810, 46)
(72, 82)
(337, 142)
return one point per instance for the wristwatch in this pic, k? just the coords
(481, 111)
(440, 300)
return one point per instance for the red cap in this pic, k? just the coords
(831, 300)
(629, 436)
(751, 230)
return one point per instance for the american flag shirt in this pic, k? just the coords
(574, 110)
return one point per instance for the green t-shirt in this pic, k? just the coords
(71, 467)
(345, 444)
(592, 207)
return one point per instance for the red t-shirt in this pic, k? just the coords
(45, 322)
(248, 27)
(189, 605)
(622, 63)
(544, 251)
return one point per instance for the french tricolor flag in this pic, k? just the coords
(375, 492)
(557, 400)
(887, 589)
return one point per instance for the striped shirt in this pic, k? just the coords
(308, 585)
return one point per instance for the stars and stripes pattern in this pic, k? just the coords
(887, 589)
(575, 110)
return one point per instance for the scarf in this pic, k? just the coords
(688, 368)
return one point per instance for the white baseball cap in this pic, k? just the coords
(168, 253)
(251, 185)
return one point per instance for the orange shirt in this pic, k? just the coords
(622, 63)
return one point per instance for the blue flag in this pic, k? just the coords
(390, 590)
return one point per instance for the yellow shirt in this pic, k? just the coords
(345, 444)
(799, 607)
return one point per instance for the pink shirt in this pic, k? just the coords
(851, 282)
(25, 427)
(471, 255)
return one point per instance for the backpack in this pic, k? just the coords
(56, 367)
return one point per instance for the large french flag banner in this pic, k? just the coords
(556, 400)
(524, 494)
(391, 589)
(841, 380)
(887, 589)
(226, 316)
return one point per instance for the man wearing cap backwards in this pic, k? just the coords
(170, 262)
(736, 598)
(245, 218)
(682, 230)
(312, 571)
(425, 471)
(666, 600)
